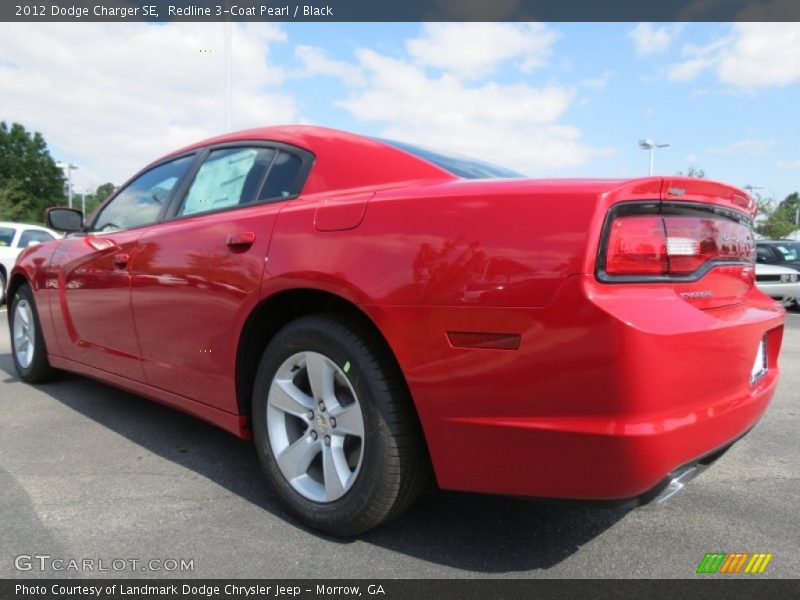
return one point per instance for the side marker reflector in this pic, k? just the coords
(477, 339)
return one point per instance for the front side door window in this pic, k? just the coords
(140, 203)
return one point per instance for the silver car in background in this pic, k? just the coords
(780, 283)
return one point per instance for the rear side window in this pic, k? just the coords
(284, 178)
(6, 236)
(140, 202)
(33, 235)
(460, 166)
(787, 252)
(229, 177)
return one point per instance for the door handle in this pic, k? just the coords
(121, 260)
(241, 239)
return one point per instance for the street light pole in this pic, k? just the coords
(751, 189)
(228, 72)
(68, 168)
(650, 146)
(797, 223)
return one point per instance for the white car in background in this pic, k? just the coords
(780, 283)
(14, 238)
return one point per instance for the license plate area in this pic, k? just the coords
(759, 369)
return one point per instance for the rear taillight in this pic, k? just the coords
(637, 245)
(673, 244)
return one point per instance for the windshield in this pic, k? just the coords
(789, 250)
(461, 166)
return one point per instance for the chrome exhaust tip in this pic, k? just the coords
(678, 483)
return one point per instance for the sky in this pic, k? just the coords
(548, 100)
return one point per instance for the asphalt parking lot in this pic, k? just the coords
(87, 471)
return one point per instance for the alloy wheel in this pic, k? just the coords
(24, 333)
(316, 427)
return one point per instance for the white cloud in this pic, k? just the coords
(788, 164)
(472, 50)
(511, 124)
(598, 83)
(750, 147)
(753, 55)
(650, 39)
(115, 96)
(317, 62)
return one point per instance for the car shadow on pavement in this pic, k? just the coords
(487, 534)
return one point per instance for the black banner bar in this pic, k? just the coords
(398, 10)
(744, 588)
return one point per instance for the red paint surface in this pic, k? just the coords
(611, 387)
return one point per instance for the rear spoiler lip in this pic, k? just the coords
(682, 189)
(704, 191)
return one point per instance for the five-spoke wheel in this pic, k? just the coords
(334, 425)
(27, 341)
(316, 429)
(23, 333)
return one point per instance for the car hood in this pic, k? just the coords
(762, 269)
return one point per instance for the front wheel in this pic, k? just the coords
(334, 426)
(3, 284)
(27, 340)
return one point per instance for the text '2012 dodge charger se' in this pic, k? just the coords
(369, 312)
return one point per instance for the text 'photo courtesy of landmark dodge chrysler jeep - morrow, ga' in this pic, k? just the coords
(376, 314)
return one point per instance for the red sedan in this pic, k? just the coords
(370, 311)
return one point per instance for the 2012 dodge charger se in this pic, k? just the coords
(368, 310)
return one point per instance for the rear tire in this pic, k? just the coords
(381, 467)
(27, 341)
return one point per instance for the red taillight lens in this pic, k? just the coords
(673, 245)
(637, 245)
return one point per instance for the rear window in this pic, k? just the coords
(33, 235)
(460, 166)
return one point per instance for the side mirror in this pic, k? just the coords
(64, 219)
(33, 243)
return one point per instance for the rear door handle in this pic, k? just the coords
(121, 260)
(241, 239)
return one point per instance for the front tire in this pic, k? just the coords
(27, 341)
(334, 426)
(3, 284)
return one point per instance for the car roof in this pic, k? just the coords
(343, 160)
(24, 226)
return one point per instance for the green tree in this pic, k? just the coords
(30, 181)
(14, 203)
(779, 221)
(93, 200)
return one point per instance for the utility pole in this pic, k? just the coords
(68, 168)
(650, 145)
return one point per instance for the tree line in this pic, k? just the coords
(774, 220)
(30, 180)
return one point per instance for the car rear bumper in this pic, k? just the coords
(609, 393)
